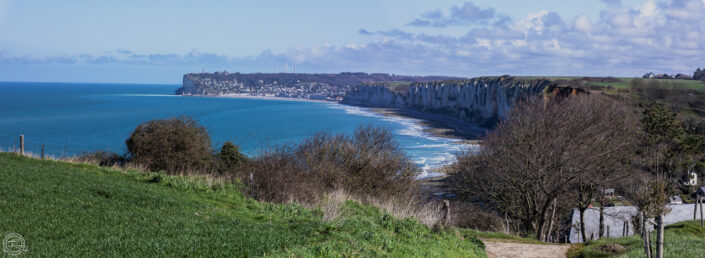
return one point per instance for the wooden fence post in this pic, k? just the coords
(700, 201)
(42, 151)
(695, 206)
(21, 144)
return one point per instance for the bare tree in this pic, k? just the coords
(541, 152)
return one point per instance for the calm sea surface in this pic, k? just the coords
(71, 118)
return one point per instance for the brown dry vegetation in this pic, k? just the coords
(368, 163)
(540, 155)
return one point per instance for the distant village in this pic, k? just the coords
(699, 74)
(332, 87)
(304, 90)
(679, 76)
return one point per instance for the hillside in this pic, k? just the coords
(65, 209)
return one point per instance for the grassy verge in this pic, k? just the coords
(684, 239)
(65, 209)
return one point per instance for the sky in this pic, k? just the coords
(159, 41)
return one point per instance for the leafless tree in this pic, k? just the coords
(544, 151)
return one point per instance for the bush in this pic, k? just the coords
(102, 158)
(467, 215)
(174, 145)
(230, 157)
(369, 163)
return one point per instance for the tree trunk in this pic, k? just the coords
(539, 227)
(659, 237)
(582, 225)
(542, 219)
(550, 221)
(645, 234)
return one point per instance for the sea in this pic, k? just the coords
(74, 118)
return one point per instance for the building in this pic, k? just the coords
(675, 199)
(692, 179)
(609, 193)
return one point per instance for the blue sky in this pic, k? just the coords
(159, 41)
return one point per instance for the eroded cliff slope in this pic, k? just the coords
(482, 100)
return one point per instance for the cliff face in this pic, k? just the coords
(188, 87)
(375, 95)
(481, 100)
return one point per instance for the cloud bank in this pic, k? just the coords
(664, 36)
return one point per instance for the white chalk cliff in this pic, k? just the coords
(482, 100)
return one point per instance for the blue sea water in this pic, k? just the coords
(72, 118)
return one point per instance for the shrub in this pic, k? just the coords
(230, 157)
(368, 163)
(102, 158)
(467, 215)
(174, 145)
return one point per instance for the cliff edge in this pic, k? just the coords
(482, 100)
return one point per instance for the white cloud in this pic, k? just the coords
(468, 13)
(582, 23)
(663, 36)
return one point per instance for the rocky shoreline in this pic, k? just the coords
(438, 125)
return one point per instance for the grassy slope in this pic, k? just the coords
(65, 209)
(691, 84)
(684, 239)
(624, 84)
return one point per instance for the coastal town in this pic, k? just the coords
(212, 85)
(331, 87)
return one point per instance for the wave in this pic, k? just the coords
(430, 152)
(410, 126)
(354, 110)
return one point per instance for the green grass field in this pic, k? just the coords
(624, 82)
(65, 209)
(684, 239)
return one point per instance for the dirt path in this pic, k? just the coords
(516, 250)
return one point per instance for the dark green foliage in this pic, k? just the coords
(230, 157)
(174, 145)
(699, 74)
(661, 125)
(102, 158)
(693, 144)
